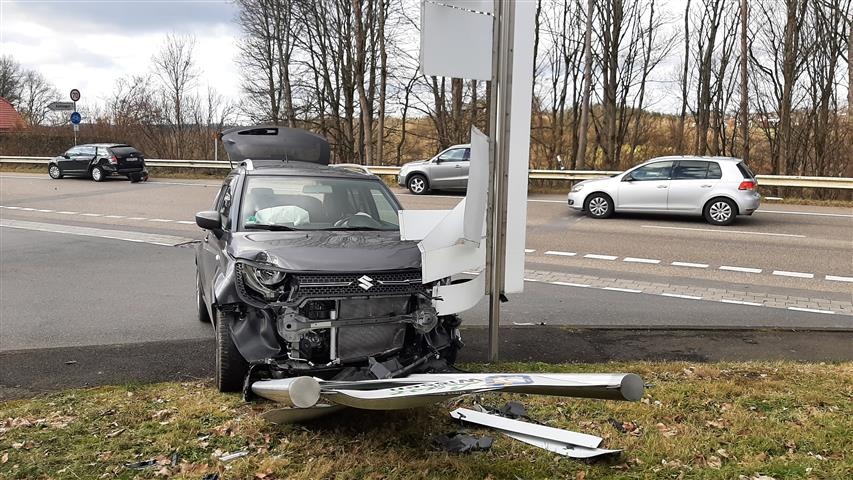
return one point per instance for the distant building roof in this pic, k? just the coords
(9, 117)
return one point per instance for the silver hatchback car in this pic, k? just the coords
(718, 188)
(446, 171)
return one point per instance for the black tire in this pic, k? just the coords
(720, 211)
(201, 305)
(230, 368)
(599, 205)
(98, 174)
(417, 184)
(54, 171)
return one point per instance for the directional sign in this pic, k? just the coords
(61, 106)
(75, 118)
(75, 94)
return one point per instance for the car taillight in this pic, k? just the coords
(114, 160)
(747, 185)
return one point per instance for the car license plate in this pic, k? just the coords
(131, 159)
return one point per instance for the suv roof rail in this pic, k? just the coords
(353, 167)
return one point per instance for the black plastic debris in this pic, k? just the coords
(514, 410)
(461, 442)
(211, 476)
(617, 425)
(142, 464)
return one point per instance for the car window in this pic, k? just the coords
(714, 171)
(745, 171)
(455, 155)
(653, 171)
(223, 201)
(317, 203)
(74, 151)
(90, 151)
(125, 151)
(690, 170)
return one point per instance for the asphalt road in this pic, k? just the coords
(107, 285)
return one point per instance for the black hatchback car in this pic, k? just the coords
(98, 161)
(302, 270)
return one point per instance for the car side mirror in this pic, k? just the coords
(209, 220)
(65, 156)
(437, 160)
(628, 178)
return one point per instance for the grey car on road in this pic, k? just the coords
(718, 188)
(446, 171)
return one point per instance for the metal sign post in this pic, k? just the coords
(499, 124)
(75, 116)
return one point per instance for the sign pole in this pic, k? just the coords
(74, 126)
(499, 125)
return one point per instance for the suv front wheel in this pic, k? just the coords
(417, 184)
(231, 367)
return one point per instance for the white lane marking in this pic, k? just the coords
(640, 260)
(678, 295)
(529, 250)
(28, 209)
(740, 269)
(68, 213)
(160, 220)
(185, 222)
(531, 280)
(92, 214)
(726, 231)
(815, 214)
(783, 273)
(137, 218)
(688, 264)
(114, 216)
(836, 278)
(773, 198)
(810, 310)
(740, 302)
(13, 208)
(138, 237)
(541, 200)
(45, 210)
(561, 254)
(600, 257)
(570, 284)
(626, 290)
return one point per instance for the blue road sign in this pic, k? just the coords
(75, 118)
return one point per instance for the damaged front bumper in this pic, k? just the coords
(359, 325)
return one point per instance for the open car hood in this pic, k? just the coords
(328, 251)
(273, 142)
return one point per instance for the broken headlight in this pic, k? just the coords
(266, 281)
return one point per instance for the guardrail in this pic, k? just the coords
(570, 175)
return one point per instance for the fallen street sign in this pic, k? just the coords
(61, 106)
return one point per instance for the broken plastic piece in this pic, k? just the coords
(526, 428)
(142, 464)
(283, 416)
(564, 449)
(460, 442)
(233, 456)
(514, 410)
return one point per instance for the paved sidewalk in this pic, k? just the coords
(782, 301)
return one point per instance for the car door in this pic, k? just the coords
(445, 172)
(213, 245)
(692, 183)
(645, 188)
(83, 158)
(66, 160)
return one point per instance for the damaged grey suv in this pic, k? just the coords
(302, 271)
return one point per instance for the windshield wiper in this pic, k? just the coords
(267, 226)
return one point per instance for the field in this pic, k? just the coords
(715, 421)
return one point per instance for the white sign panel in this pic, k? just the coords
(455, 42)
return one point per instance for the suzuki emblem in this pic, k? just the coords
(365, 282)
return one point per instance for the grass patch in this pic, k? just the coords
(714, 421)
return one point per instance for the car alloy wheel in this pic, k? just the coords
(417, 185)
(598, 206)
(54, 172)
(97, 174)
(720, 211)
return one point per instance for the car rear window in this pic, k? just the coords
(125, 151)
(745, 171)
(714, 171)
(690, 170)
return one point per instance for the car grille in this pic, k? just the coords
(321, 285)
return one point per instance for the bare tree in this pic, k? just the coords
(175, 67)
(744, 80)
(35, 95)
(580, 159)
(10, 79)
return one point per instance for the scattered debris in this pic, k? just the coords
(563, 442)
(461, 442)
(142, 464)
(211, 476)
(233, 456)
(71, 362)
(617, 425)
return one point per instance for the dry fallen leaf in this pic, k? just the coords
(4, 458)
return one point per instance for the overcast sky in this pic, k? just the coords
(89, 44)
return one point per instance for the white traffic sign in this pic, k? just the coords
(75, 94)
(61, 106)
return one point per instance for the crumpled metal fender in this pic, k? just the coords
(254, 330)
